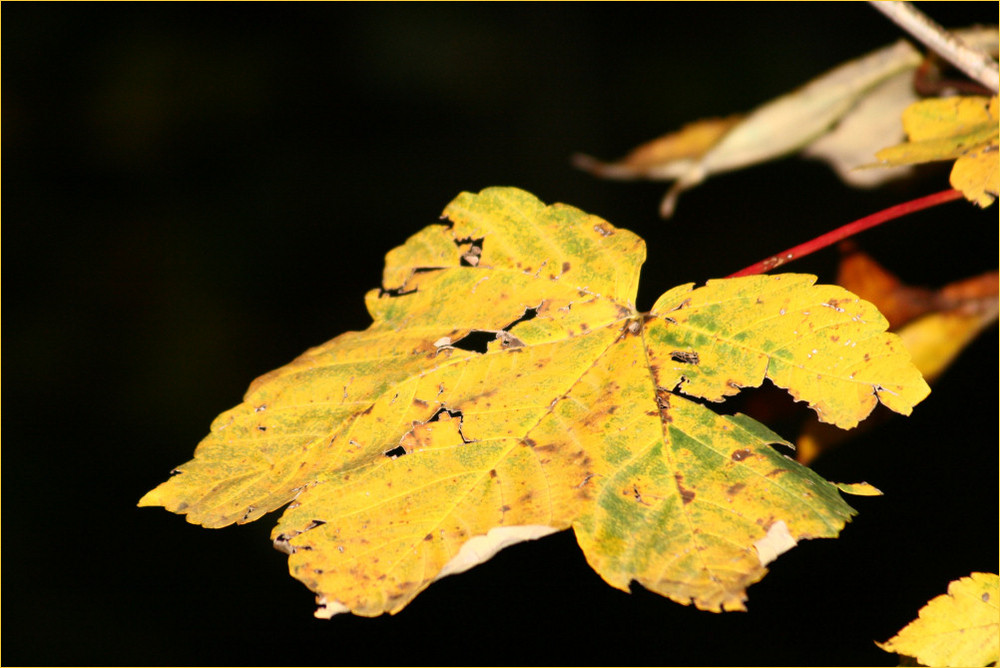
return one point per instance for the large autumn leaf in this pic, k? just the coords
(412, 451)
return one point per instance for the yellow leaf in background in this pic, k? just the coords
(936, 339)
(961, 119)
(410, 452)
(976, 174)
(964, 129)
(960, 628)
(667, 157)
(934, 325)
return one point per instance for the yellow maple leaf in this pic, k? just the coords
(508, 388)
(960, 628)
(963, 129)
(976, 175)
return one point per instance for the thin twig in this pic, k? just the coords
(848, 230)
(974, 62)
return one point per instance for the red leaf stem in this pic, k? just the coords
(848, 230)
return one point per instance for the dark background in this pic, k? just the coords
(194, 194)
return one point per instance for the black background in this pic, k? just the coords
(194, 194)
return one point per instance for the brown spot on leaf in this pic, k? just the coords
(417, 402)
(733, 490)
(687, 495)
(282, 544)
(565, 267)
(662, 398)
(685, 356)
(493, 473)
(775, 472)
(663, 403)
(603, 229)
(636, 495)
(530, 442)
(509, 341)
(740, 455)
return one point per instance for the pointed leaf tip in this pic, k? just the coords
(960, 628)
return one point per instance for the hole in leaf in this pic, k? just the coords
(454, 414)
(399, 292)
(470, 258)
(441, 411)
(679, 390)
(529, 314)
(395, 292)
(398, 451)
(475, 341)
(770, 405)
